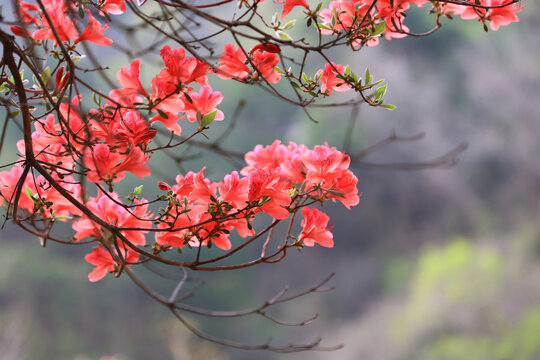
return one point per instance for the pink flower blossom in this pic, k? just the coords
(64, 26)
(290, 4)
(263, 183)
(314, 228)
(107, 165)
(203, 103)
(330, 81)
(232, 63)
(104, 262)
(265, 62)
(129, 79)
(114, 7)
(93, 32)
(109, 209)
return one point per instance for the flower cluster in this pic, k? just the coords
(58, 21)
(277, 180)
(497, 16)
(103, 144)
(263, 58)
(365, 20)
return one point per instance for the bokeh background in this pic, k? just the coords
(439, 264)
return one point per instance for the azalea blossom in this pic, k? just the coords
(329, 80)
(109, 208)
(113, 7)
(265, 183)
(264, 63)
(203, 103)
(314, 228)
(93, 32)
(106, 165)
(104, 262)
(232, 63)
(9, 180)
(290, 4)
(65, 28)
(181, 69)
(129, 79)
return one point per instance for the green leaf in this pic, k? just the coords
(97, 99)
(380, 92)
(46, 75)
(367, 77)
(283, 35)
(321, 26)
(137, 190)
(162, 113)
(63, 217)
(290, 24)
(305, 77)
(29, 193)
(378, 29)
(208, 118)
(335, 192)
(36, 82)
(389, 106)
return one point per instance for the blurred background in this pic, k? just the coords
(439, 264)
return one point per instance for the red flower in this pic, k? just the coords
(113, 212)
(290, 4)
(9, 180)
(329, 168)
(203, 103)
(503, 15)
(199, 71)
(232, 63)
(324, 164)
(165, 93)
(114, 7)
(105, 165)
(93, 32)
(104, 262)
(330, 81)
(269, 157)
(20, 31)
(264, 62)
(58, 14)
(175, 61)
(234, 190)
(267, 46)
(264, 183)
(314, 228)
(129, 79)
(497, 16)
